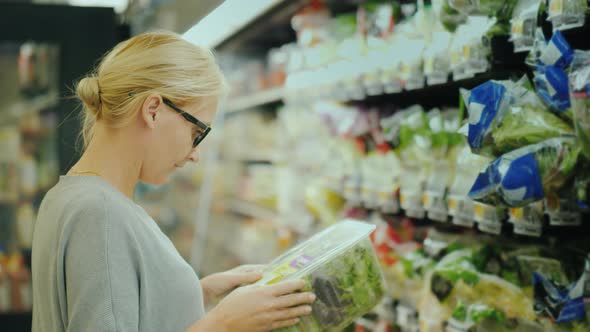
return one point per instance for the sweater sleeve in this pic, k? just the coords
(100, 266)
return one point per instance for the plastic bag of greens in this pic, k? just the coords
(498, 8)
(524, 175)
(564, 304)
(550, 60)
(556, 52)
(523, 24)
(567, 14)
(579, 79)
(450, 17)
(504, 115)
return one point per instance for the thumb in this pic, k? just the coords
(246, 278)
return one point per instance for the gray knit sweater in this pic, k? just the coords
(101, 263)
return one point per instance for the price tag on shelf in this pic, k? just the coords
(527, 220)
(562, 212)
(434, 203)
(462, 210)
(489, 218)
(555, 7)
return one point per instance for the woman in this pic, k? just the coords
(100, 263)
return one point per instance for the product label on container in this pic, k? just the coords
(286, 269)
(562, 212)
(388, 202)
(489, 218)
(434, 203)
(526, 222)
(462, 210)
(487, 214)
(412, 204)
(555, 7)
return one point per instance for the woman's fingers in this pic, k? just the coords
(295, 299)
(285, 323)
(291, 313)
(286, 287)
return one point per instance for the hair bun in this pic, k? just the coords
(88, 91)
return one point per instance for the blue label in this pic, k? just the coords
(565, 50)
(515, 182)
(483, 104)
(521, 182)
(574, 309)
(553, 87)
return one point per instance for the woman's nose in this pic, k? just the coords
(194, 155)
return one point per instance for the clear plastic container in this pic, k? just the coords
(340, 266)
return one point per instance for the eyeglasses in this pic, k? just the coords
(205, 128)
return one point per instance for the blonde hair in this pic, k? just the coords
(156, 62)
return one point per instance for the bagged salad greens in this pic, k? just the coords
(502, 9)
(568, 305)
(567, 14)
(505, 115)
(340, 266)
(551, 60)
(525, 175)
(457, 277)
(579, 79)
(524, 24)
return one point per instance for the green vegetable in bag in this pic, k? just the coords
(526, 125)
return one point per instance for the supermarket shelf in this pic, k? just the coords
(28, 106)
(446, 94)
(263, 98)
(252, 210)
(262, 214)
(270, 26)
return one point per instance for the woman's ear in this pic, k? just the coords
(150, 110)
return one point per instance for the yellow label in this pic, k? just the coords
(280, 273)
(402, 198)
(429, 65)
(466, 51)
(517, 213)
(425, 199)
(383, 195)
(555, 7)
(452, 204)
(517, 27)
(479, 210)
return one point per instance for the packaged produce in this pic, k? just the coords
(524, 175)
(500, 9)
(450, 17)
(339, 265)
(579, 79)
(468, 165)
(567, 14)
(437, 65)
(524, 24)
(528, 220)
(504, 115)
(472, 276)
(415, 153)
(567, 305)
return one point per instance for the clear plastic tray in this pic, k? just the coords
(340, 266)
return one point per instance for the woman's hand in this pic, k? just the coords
(217, 285)
(257, 308)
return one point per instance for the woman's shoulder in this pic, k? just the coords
(83, 200)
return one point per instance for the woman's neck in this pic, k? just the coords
(111, 156)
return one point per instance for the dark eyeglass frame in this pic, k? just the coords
(191, 119)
